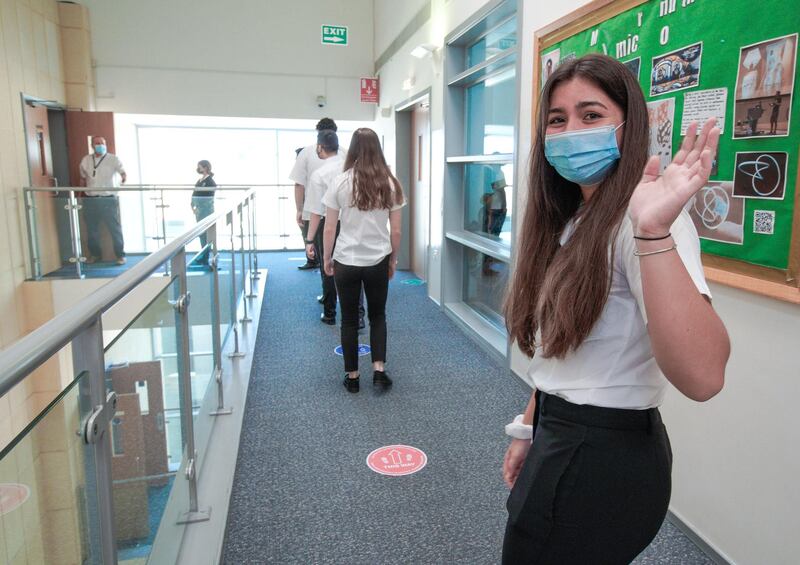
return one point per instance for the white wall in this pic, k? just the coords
(250, 58)
(390, 18)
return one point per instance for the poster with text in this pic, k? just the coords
(662, 117)
(677, 70)
(764, 85)
(700, 105)
(717, 214)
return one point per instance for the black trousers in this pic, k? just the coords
(375, 280)
(304, 231)
(99, 210)
(594, 488)
(328, 284)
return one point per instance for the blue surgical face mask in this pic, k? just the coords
(100, 149)
(583, 156)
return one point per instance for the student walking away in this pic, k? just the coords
(306, 163)
(102, 170)
(327, 150)
(367, 199)
(203, 201)
(609, 300)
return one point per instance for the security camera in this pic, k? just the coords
(321, 101)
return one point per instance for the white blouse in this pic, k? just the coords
(364, 238)
(614, 367)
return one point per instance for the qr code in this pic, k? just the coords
(764, 222)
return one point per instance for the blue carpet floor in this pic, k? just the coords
(303, 492)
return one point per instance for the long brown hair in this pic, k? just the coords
(374, 185)
(562, 290)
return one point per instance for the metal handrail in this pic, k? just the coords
(149, 187)
(32, 350)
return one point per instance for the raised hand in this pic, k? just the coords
(658, 200)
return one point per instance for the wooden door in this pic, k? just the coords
(81, 127)
(37, 138)
(420, 188)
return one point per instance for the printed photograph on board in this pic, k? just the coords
(550, 63)
(677, 70)
(764, 86)
(662, 118)
(760, 175)
(717, 214)
(633, 66)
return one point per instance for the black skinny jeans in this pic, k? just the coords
(376, 287)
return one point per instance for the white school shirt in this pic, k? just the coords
(318, 184)
(364, 238)
(101, 171)
(614, 367)
(306, 163)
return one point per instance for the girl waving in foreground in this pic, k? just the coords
(610, 301)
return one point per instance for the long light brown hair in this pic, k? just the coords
(374, 185)
(562, 290)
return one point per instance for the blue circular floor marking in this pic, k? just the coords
(413, 282)
(362, 350)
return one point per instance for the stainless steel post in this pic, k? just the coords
(251, 230)
(33, 241)
(216, 338)
(256, 275)
(87, 356)
(75, 233)
(245, 317)
(181, 305)
(236, 354)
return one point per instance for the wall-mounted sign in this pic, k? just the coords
(370, 88)
(334, 35)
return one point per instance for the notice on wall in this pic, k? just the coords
(662, 116)
(701, 105)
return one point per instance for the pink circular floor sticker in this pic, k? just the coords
(12, 495)
(397, 460)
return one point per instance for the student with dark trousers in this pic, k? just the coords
(610, 302)
(366, 201)
(203, 201)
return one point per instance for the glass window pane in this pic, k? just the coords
(499, 39)
(489, 200)
(485, 281)
(490, 114)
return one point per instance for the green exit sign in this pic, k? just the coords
(334, 35)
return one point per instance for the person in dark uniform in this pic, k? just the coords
(203, 200)
(773, 117)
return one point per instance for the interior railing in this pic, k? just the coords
(104, 463)
(60, 222)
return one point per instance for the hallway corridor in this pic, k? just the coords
(303, 492)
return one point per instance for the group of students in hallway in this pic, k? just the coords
(349, 210)
(608, 299)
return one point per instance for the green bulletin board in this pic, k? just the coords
(686, 51)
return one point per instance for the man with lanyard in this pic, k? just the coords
(102, 169)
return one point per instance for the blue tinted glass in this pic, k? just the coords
(497, 40)
(490, 114)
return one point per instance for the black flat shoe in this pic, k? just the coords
(351, 384)
(381, 378)
(306, 266)
(330, 320)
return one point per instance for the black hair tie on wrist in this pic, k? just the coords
(652, 238)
